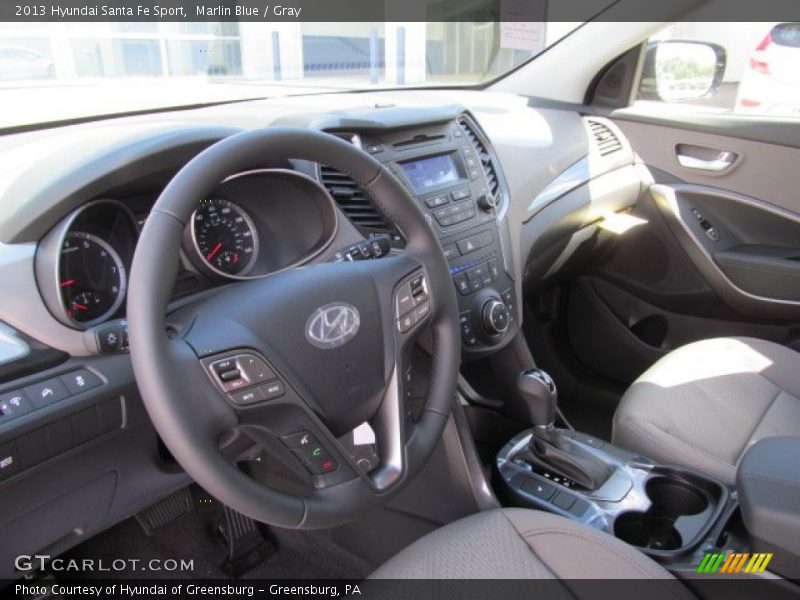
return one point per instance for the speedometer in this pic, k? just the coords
(225, 237)
(91, 278)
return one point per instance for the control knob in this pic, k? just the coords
(487, 202)
(495, 316)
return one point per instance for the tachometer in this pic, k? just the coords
(91, 278)
(225, 237)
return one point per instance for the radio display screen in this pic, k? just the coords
(431, 172)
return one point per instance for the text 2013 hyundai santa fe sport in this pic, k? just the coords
(394, 302)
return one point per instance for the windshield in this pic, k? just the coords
(59, 71)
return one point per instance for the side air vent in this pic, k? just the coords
(483, 154)
(352, 200)
(605, 139)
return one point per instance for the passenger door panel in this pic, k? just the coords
(719, 255)
(763, 170)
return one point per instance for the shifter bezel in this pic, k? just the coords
(623, 493)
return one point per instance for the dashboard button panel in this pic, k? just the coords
(57, 437)
(15, 403)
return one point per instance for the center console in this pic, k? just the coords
(672, 514)
(667, 512)
(450, 169)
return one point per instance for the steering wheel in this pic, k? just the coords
(291, 362)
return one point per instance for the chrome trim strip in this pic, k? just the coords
(573, 177)
(389, 436)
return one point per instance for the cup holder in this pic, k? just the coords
(671, 499)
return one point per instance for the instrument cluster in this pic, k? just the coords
(253, 225)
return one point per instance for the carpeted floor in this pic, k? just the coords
(299, 555)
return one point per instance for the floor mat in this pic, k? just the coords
(300, 554)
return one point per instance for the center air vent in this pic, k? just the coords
(352, 200)
(605, 139)
(486, 160)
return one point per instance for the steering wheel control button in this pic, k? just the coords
(239, 375)
(422, 311)
(299, 439)
(235, 384)
(404, 324)
(248, 396)
(223, 365)
(255, 369)
(405, 301)
(46, 392)
(231, 375)
(80, 381)
(315, 458)
(273, 390)
(412, 303)
(322, 466)
(12, 405)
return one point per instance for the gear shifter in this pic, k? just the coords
(549, 448)
(538, 390)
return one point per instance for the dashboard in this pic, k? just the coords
(510, 190)
(267, 219)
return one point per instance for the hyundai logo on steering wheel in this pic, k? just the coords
(332, 325)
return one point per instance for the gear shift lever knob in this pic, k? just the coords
(548, 448)
(538, 390)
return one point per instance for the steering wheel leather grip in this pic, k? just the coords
(328, 391)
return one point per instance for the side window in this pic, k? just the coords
(725, 68)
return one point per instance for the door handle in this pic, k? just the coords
(700, 158)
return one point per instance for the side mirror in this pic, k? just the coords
(678, 70)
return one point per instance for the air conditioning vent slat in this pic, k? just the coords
(352, 200)
(483, 155)
(606, 141)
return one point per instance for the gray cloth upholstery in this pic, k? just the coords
(704, 404)
(517, 543)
